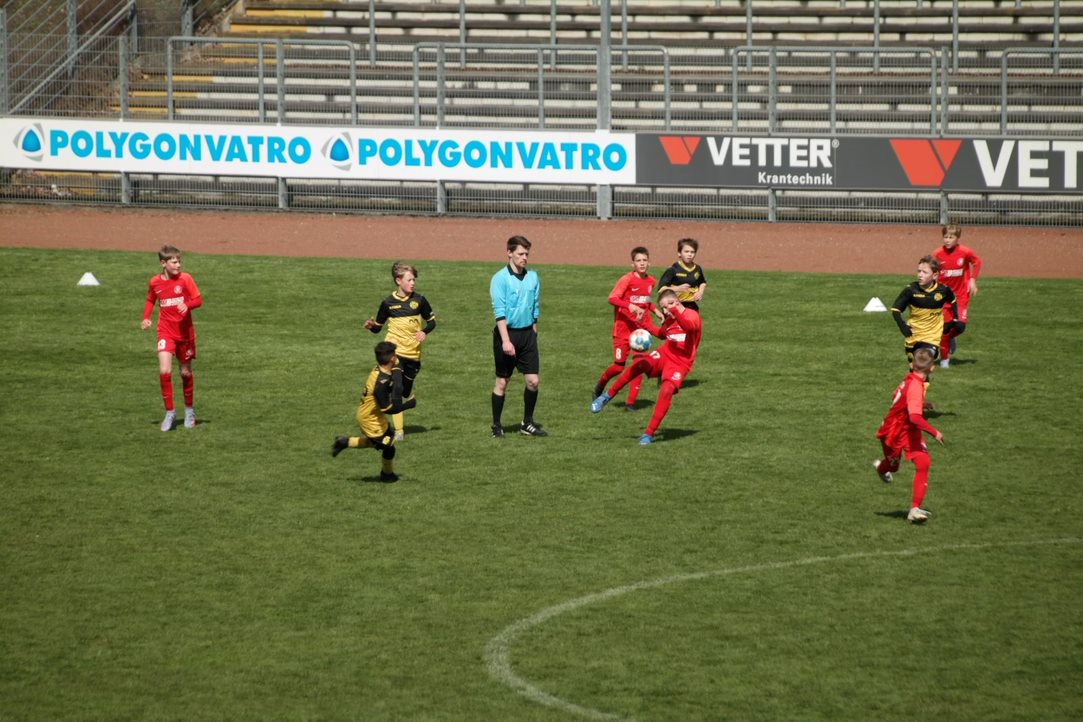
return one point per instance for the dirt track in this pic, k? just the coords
(1005, 251)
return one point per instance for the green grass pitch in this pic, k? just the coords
(748, 565)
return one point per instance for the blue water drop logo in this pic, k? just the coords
(340, 152)
(31, 142)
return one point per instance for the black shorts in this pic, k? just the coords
(410, 367)
(922, 344)
(525, 360)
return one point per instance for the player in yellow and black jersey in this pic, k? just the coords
(382, 396)
(409, 320)
(685, 276)
(925, 298)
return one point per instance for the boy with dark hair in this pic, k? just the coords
(516, 296)
(671, 363)
(177, 296)
(410, 319)
(900, 432)
(685, 276)
(382, 396)
(631, 300)
(959, 269)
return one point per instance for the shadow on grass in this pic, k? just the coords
(178, 423)
(375, 479)
(901, 513)
(670, 434)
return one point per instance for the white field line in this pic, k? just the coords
(498, 650)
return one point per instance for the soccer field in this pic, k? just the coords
(748, 565)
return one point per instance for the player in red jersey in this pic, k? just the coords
(900, 432)
(631, 300)
(176, 294)
(672, 362)
(959, 269)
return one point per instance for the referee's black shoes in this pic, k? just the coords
(529, 428)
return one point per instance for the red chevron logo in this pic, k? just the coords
(925, 162)
(679, 149)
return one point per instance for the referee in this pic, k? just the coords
(516, 294)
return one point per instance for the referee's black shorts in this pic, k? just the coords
(525, 360)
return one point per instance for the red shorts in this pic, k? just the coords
(183, 350)
(666, 369)
(622, 351)
(962, 302)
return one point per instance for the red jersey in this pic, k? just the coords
(630, 288)
(957, 267)
(170, 293)
(682, 332)
(904, 422)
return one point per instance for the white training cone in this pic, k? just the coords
(875, 304)
(88, 280)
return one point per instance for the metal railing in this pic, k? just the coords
(775, 89)
(271, 98)
(32, 63)
(453, 67)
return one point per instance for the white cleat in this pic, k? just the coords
(885, 476)
(917, 515)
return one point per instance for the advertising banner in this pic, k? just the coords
(317, 151)
(861, 163)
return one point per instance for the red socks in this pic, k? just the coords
(166, 382)
(188, 385)
(661, 406)
(921, 478)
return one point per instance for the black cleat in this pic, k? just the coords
(388, 477)
(341, 442)
(498, 431)
(529, 428)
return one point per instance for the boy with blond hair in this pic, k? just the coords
(409, 319)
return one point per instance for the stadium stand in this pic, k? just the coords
(918, 67)
(218, 80)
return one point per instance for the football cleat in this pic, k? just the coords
(599, 403)
(189, 418)
(646, 439)
(498, 431)
(529, 428)
(388, 477)
(169, 420)
(917, 515)
(885, 476)
(340, 443)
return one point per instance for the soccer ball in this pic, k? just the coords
(640, 340)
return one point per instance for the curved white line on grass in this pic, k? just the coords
(498, 650)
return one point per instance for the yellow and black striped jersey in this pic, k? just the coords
(404, 317)
(926, 319)
(379, 398)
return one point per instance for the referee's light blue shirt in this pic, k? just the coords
(516, 300)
